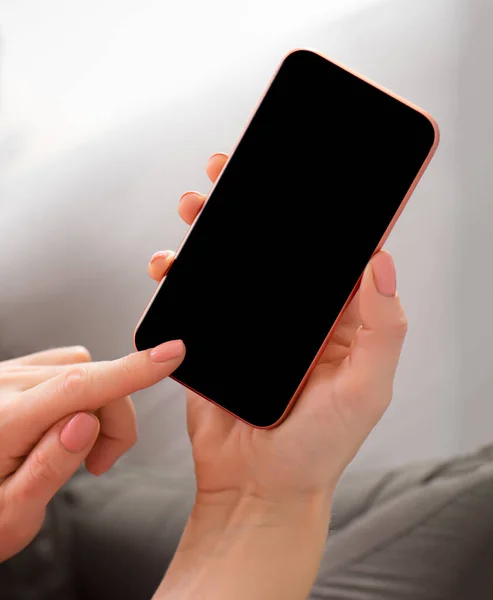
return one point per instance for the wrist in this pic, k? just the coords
(240, 512)
(236, 535)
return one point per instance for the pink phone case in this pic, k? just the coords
(377, 249)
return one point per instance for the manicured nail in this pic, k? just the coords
(161, 254)
(79, 432)
(167, 351)
(384, 274)
(221, 154)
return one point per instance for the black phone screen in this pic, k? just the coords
(285, 235)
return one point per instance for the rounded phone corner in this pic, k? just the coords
(433, 130)
(135, 341)
(299, 51)
(435, 127)
(271, 424)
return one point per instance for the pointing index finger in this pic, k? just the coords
(88, 388)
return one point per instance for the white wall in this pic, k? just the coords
(109, 111)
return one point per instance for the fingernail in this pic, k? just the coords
(384, 274)
(167, 351)
(161, 254)
(189, 194)
(222, 154)
(79, 432)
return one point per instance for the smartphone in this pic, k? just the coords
(308, 195)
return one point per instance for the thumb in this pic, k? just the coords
(51, 463)
(377, 345)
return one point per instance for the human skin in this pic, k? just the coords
(57, 410)
(263, 501)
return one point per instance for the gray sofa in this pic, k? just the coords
(418, 533)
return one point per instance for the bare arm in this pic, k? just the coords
(251, 550)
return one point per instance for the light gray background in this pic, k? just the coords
(109, 111)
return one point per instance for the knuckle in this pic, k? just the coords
(75, 379)
(126, 365)
(133, 437)
(401, 326)
(41, 469)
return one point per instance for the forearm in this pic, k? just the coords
(251, 550)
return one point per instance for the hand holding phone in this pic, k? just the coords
(346, 393)
(318, 179)
(258, 488)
